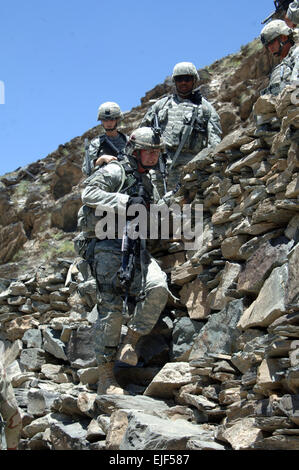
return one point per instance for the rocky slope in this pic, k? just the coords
(221, 366)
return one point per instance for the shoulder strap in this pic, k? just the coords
(166, 99)
(123, 173)
(123, 136)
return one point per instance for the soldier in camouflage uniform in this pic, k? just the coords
(188, 121)
(100, 148)
(9, 412)
(114, 188)
(277, 37)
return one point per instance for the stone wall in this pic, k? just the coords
(222, 364)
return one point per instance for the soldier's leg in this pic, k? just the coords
(149, 308)
(109, 322)
(147, 311)
(10, 413)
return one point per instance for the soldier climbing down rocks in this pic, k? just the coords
(115, 188)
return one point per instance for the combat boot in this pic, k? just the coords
(107, 384)
(126, 352)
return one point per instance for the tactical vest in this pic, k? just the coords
(87, 219)
(175, 115)
(104, 147)
(100, 146)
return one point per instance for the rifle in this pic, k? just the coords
(130, 249)
(163, 157)
(87, 159)
(88, 164)
(280, 6)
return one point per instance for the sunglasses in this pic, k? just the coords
(183, 78)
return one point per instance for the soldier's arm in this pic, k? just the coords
(93, 155)
(295, 71)
(104, 159)
(102, 189)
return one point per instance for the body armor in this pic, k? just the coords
(130, 178)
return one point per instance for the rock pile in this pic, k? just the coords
(220, 370)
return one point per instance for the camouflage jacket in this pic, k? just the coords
(285, 73)
(9, 411)
(109, 189)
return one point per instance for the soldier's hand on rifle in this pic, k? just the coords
(136, 200)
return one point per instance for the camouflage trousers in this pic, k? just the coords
(107, 331)
(9, 411)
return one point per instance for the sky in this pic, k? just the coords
(60, 59)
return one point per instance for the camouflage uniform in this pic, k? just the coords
(100, 145)
(287, 71)
(111, 187)
(9, 411)
(293, 12)
(176, 114)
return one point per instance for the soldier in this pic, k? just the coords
(112, 187)
(9, 412)
(188, 121)
(102, 149)
(107, 146)
(277, 37)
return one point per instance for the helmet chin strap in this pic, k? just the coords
(112, 128)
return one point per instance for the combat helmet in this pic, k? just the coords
(109, 110)
(143, 138)
(273, 30)
(185, 68)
